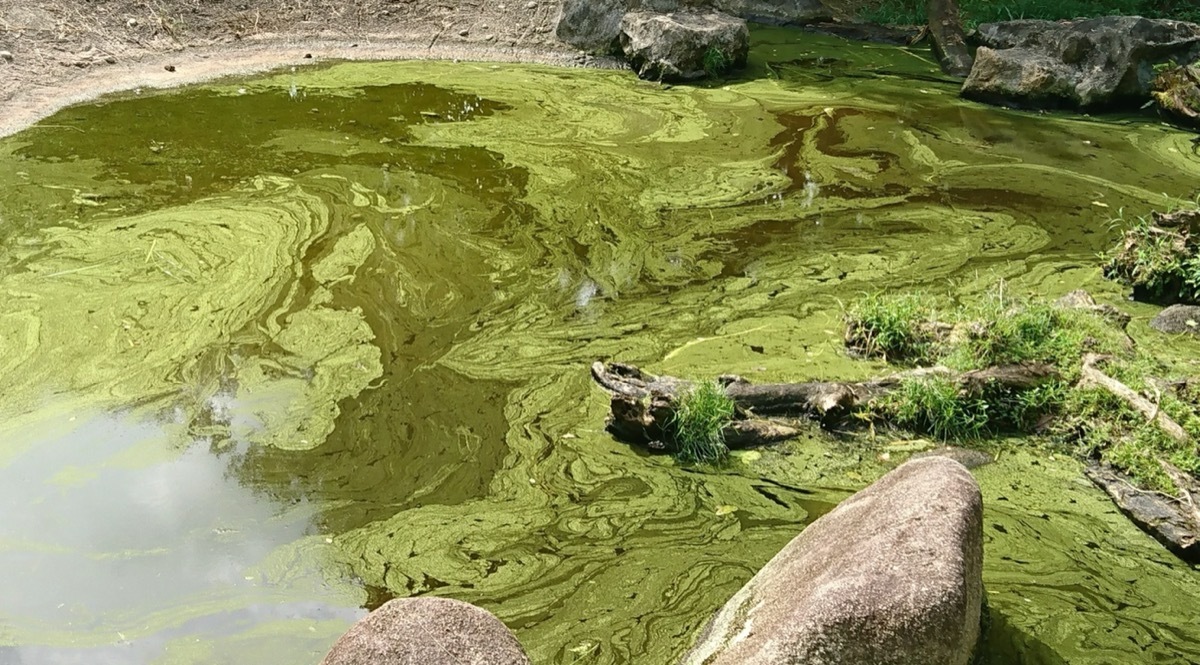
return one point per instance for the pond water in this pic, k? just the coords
(273, 351)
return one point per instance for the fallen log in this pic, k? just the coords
(1158, 515)
(949, 42)
(643, 404)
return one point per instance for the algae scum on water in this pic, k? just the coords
(276, 350)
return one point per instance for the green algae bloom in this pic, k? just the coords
(374, 302)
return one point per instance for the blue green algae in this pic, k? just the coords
(345, 313)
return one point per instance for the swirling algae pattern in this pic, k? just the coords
(376, 295)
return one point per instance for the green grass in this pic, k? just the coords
(1002, 330)
(974, 12)
(716, 62)
(890, 327)
(1160, 265)
(1104, 427)
(998, 330)
(936, 406)
(698, 424)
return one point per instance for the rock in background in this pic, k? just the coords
(683, 46)
(595, 25)
(1089, 64)
(1178, 319)
(427, 631)
(892, 576)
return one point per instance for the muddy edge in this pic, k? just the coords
(62, 52)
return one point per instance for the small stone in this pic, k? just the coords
(308, 56)
(6, 56)
(463, 33)
(531, 5)
(112, 60)
(131, 23)
(169, 68)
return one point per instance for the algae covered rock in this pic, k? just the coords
(1087, 64)
(683, 46)
(892, 576)
(427, 631)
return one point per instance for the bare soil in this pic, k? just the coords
(58, 52)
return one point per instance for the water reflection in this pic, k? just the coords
(113, 547)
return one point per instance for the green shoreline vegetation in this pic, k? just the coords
(974, 12)
(1063, 412)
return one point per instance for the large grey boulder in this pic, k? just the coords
(591, 25)
(1087, 64)
(595, 25)
(892, 576)
(427, 631)
(1178, 319)
(683, 46)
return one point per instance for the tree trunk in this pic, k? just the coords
(949, 42)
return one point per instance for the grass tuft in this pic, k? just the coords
(936, 406)
(891, 327)
(699, 421)
(716, 62)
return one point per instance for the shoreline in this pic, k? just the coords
(188, 66)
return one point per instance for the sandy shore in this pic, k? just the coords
(31, 104)
(54, 53)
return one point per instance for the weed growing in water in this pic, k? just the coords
(698, 424)
(1003, 331)
(974, 12)
(998, 331)
(716, 62)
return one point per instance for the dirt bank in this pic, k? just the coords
(58, 52)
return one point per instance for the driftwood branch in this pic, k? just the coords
(1162, 517)
(1188, 489)
(949, 42)
(1090, 375)
(643, 404)
(1186, 219)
